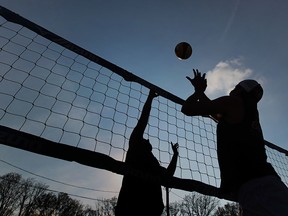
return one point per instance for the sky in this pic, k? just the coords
(231, 40)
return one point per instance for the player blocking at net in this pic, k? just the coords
(137, 195)
(245, 173)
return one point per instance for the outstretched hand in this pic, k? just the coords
(175, 148)
(199, 82)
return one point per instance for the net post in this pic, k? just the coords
(167, 201)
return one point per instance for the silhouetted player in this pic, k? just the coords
(245, 172)
(139, 196)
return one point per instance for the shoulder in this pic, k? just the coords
(225, 104)
(227, 100)
(230, 108)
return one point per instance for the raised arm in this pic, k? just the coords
(173, 163)
(198, 103)
(229, 108)
(143, 120)
(198, 97)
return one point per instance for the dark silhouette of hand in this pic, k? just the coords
(199, 82)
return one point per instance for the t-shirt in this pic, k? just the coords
(241, 152)
(139, 196)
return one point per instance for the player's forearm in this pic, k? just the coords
(146, 111)
(189, 107)
(172, 166)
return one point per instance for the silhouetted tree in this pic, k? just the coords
(106, 206)
(10, 190)
(30, 198)
(66, 206)
(31, 191)
(45, 204)
(174, 209)
(197, 205)
(229, 209)
(88, 211)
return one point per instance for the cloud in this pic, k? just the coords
(225, 75)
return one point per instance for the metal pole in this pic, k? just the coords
(167, 201)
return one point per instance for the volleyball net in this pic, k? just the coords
(60, 100)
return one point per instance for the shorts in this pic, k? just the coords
(264, 196)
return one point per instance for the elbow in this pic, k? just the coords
(194, 109)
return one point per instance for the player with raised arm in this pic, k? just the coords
(245, 172)
(138, 196)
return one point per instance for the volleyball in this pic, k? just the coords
(183, 50)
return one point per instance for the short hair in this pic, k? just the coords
(253, 88)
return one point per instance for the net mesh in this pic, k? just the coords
(57, 93)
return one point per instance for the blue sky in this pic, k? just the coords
(231, 40)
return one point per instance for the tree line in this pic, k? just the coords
(27, 197)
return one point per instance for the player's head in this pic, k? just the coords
(249, 88)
